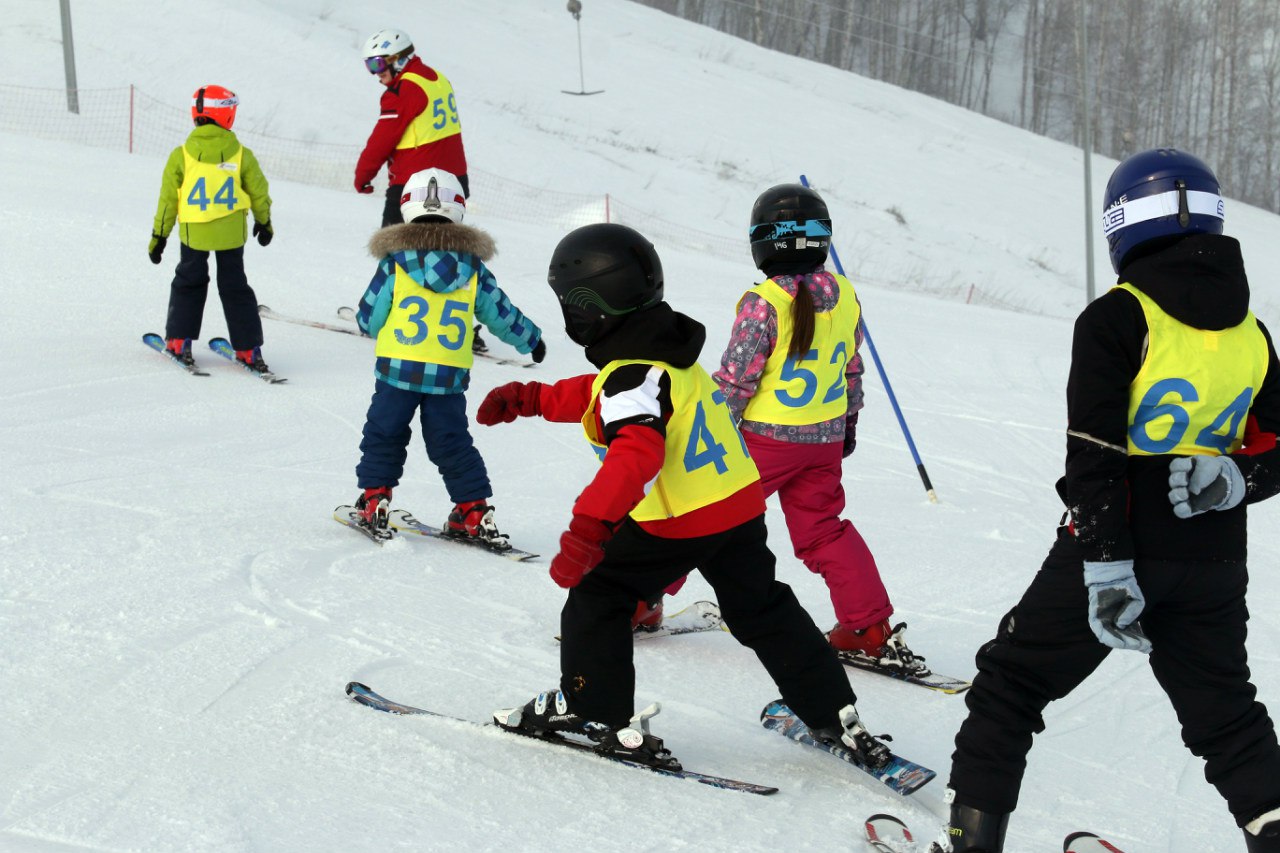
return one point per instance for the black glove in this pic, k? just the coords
(263, 231)
(156, 248)
(539, 352)
(850, 435)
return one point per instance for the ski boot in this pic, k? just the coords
(853, 736)
(180, 348)
(547, 716)
(1262, 834)
(372, 508)
(970, 830)
(474, 520)
(878, 646)
(477, 342)
(252, 359)
(647, 618)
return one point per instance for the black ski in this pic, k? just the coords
(367, 697)
(156, 342)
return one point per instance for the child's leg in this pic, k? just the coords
(187, 293)
(829, 545)
(386, 436)
(450, 448)
(239, 304)
(765, 616)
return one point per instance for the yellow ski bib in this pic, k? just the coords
(427, 326)
(439, 120)
(210, 191)
(706, 458)
(1195, 387)
(811, 388)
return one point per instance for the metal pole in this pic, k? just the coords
(69, 58)
(582, 79)
(1086, 144)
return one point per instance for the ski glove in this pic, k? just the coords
(850, 436)
(1201, 483)
(364, 187)
(1115, 603)
(539, 352)
(507, 402)
(156, 247)
(581, 550)
(264, 232)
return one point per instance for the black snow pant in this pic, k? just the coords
(191, 286)
(391, 208)
(1195, 618)
(597, 675)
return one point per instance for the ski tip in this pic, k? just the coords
(774, 708)
(355, 687)
(880, 825)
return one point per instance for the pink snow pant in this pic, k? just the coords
(806, 478)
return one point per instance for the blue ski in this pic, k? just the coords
(900, 775)
(156, 342)
(223, 348)
(367, 697)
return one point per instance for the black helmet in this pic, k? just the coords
(789, 222)
(601, 273)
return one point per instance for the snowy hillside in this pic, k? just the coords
(178, 615)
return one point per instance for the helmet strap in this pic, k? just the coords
(1184, 212)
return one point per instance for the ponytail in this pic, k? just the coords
(802, 318)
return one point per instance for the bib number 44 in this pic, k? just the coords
(224, 197)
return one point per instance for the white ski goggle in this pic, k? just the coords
(1148, 207)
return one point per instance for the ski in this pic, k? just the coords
(697, 617)
(886, 834)
(223, 348)
(931, 680)
(402, 522)
(264, 311)
(900, 775)
(349, 314)
(348, 516)
(156, 342)
(365, 696)
(1087, 842)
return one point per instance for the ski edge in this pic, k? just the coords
(222, 347)
(403, 521)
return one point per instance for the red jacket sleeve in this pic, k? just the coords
(566, 401)
(402, 102)
(634, 459)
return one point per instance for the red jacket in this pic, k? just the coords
(402, 102)
(634, 458)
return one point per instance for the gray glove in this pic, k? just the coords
(1115, 603)
(1201, 483)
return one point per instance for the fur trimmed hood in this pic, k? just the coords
(432, 237)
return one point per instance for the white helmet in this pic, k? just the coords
(435, 193)
(387, 50)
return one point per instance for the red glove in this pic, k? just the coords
(581, 550)
(507, 402)
(364, 187)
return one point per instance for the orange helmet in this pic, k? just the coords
(215, 103)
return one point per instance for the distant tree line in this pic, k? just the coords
(1202, 75)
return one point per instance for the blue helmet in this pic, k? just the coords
(1159, 193)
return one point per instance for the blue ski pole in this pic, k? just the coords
(884, 377)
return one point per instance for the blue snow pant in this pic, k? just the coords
(191, 286)
(387, 430)
(1195, 618)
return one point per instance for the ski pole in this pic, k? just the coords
(884, 377)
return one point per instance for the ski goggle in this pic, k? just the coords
(378, 64)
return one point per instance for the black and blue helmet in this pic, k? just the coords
(789, 222)
(1163, 192)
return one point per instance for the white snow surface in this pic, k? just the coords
(179, 615)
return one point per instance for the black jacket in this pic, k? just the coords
(1119, 504)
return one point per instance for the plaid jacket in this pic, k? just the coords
(443, 257)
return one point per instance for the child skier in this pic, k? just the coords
(1173, 406)
(676, 490)
(209, 184)
(430, 283)
(792, 377)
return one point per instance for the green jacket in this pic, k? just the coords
(212, 144)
